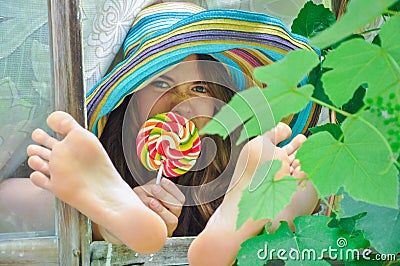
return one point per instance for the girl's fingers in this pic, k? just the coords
(171, 188)
(169, 218)
(167, 199)
(151, 190)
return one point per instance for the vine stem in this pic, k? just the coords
(370, 30)
(330, 107)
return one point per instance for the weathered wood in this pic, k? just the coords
(173, 253)
(73, 229)
(29, 251)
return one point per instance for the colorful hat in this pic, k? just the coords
(164, 34)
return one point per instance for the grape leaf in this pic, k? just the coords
(348, 224)
(283, 88)
(362, 163)
(312, 19)
(334, 129)
(390, 37)
(312, 238)
(242, 106)
(253, 106)
(269, 196)
(232, 115)
(396, 6)
(315, 80)
(359, 13)
(357, 62)
(352, 106)
(385, 128)
(380, 225)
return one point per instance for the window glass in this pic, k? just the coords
(26, 98)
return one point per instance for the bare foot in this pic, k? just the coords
(220, 242)
(78, 171)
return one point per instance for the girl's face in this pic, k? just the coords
(179, 90)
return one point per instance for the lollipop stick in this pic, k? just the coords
(159, 174)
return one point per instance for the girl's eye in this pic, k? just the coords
(200, 89)
(160, 84)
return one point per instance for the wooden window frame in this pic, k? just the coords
(71, 243)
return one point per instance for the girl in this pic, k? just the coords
(162, 36)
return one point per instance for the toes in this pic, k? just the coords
(62, 122)
(38, 164)
(44, 139)
(279, 133)
(40, 180)
(297, 173)
(40, 151)
(295, 163)
(294, 144)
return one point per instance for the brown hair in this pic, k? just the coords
(339, 7)
(193, 218)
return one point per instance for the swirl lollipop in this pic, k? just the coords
(168, 143)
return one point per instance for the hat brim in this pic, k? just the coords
(164, 34)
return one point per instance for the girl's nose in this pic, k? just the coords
(184, 108)
(181, 102)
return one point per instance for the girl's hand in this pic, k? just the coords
(165, 199)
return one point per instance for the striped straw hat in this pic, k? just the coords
(164, 34)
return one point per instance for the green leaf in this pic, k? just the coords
(315, 80)
(262, 120)
(348, 224)
(334, 129)
(390, 38)
(380, 225)
(221, 124)
(253, 107)
(242, 106)
(359, 13)
(312, 19)
(390, 131)
(362, 164)
(283, 88)
(265, 197)
(357, 62)
(312, 238)
(352, 106)
(396, 6)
